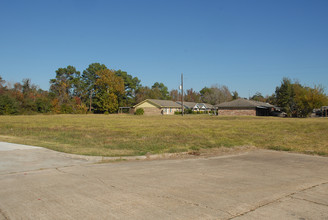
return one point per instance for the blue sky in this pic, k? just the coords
(246, 45)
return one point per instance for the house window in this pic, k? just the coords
(170, 109)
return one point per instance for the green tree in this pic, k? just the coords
(8, 105)
(89, 78)
(235, 95)
(297, 100)
(131, 84)
(258, 97)
(43, 102)
(66, 84)
(285, 96)
(160, 91)
(2, 82)
(90, 74)
(142, 93)
(2, 86)
(29, 92)
(307, 99)
(157, 91)
(271, 99)
(108, 87)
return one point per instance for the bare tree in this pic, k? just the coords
(216, 94)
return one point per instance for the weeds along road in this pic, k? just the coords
(36, 183)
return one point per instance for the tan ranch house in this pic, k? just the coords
(157, 107)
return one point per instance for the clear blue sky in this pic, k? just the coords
(246, 45)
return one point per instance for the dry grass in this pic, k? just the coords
(121, 135)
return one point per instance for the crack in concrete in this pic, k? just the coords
(109, 186)
(317, 203)
(37, 170)
(277, 200)
(73, 174)
(193, 203)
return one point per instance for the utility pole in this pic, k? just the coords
(182, 94)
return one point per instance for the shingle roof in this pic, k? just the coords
(161, 103)
(173, 104)
(209, 105)
(244, 103)
(188, 105)
(191, 105)
(165, 103)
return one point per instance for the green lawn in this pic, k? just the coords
(118, 135)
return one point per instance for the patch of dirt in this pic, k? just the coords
(226, 150)
(7, 137)
(204, 153)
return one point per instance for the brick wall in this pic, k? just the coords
(246, 112)
(148, 111)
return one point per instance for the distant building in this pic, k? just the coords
(197, 106)
(246, 107)
(157, 107)
(168, 107)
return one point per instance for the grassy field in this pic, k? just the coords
(118, 135)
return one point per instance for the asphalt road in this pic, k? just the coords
(37, 183)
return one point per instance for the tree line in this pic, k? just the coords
(298, 100)
(98, 89)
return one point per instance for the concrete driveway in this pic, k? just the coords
(36, 183)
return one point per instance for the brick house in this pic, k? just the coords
(245, 107)
(197, 106)
(157, 107)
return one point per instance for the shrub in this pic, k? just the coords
(66, 109)
(187, 111)
(8, 105)
(139, 111)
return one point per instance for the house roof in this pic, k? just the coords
(191, 105)
(188, 105)
(244, 103)
(209, 105)
(160, 103)
(172, 104)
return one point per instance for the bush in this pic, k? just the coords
(139, 111)
(188, 111)
(66, 109)
(8, 105)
